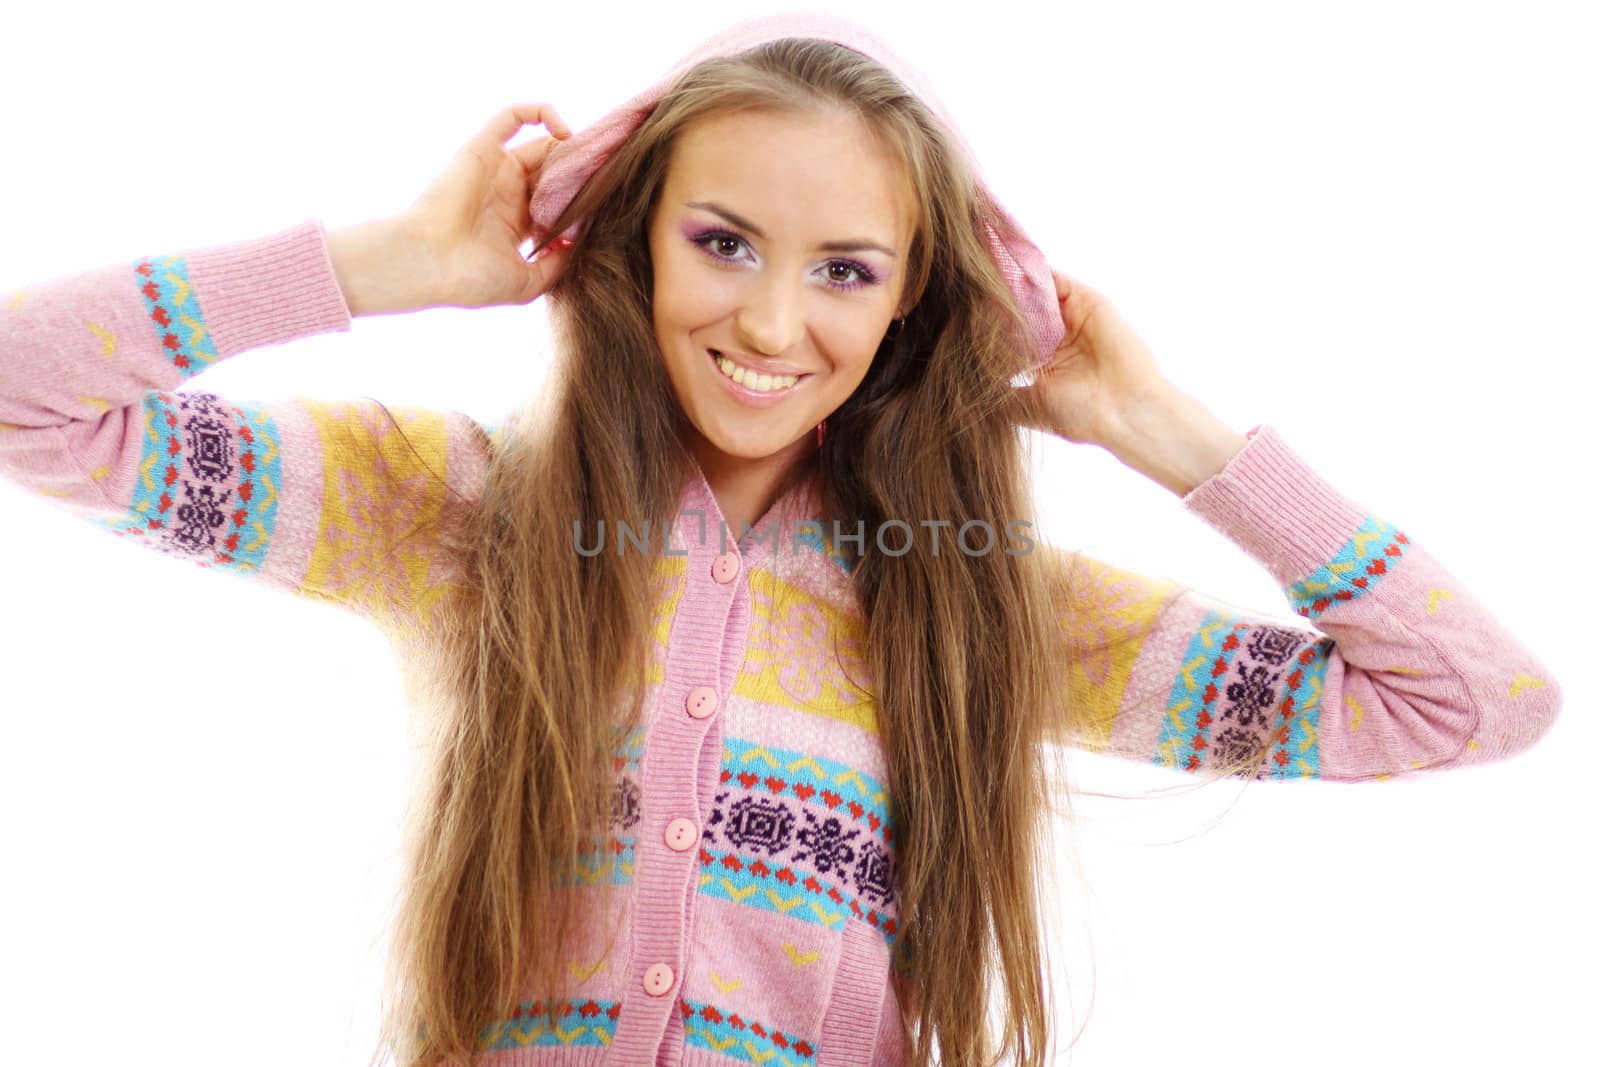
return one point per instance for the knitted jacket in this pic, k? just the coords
(754, 842)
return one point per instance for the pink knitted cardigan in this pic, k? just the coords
(753, 837)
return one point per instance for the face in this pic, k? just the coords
(778, 246)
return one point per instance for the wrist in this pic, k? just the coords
(383, 267)
(1174, 440)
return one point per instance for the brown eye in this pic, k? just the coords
(727, 241)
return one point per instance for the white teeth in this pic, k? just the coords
(761, 383)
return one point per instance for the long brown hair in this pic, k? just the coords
(536, 667)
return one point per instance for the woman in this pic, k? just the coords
(775, 796)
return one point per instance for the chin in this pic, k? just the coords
(747, 445)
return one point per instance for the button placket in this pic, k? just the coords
(709, 624)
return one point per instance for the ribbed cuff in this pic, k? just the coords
(268, 290)
(1272, 504)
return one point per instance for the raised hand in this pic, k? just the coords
(1099, 374)
(474, 218)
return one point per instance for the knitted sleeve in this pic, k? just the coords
(337, 501)
(1402, 669)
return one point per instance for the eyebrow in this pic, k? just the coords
(856, 245)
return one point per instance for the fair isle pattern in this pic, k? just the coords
(1103, 612)
(1226, 695)
(626, 763)
(807, 655)
(707, 1026)
(383, 492)
(615, 862)
(669, 577)
(787, 828)
(836, 787)
(589, 1022)
(1353, 571)
(169, 299)
(1296, 753)
(207, 484)
(798, 894)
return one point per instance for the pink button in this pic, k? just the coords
(702, 702)
(725, 568)
(681, 835)
(657, 979)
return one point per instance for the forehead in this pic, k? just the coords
(811, 172)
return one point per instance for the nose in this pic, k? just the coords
(772, 317)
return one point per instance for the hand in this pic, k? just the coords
(1098, 376)
(473, 219)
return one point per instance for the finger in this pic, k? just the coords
(532, 154)
(1066, 286)
(557, 246)
(544, 270)
(505, 125)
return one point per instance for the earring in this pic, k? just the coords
(820, 425)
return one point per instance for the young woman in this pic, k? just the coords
(742, 665)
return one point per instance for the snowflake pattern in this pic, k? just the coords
(811, 654)
(780, 830)
(199, 494)
(872, 874)
(625, 803)
(201, 516)
(826, 843)
(1103, 607)
(373, 552)
(1253, 690)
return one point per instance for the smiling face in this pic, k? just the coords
(778, 243)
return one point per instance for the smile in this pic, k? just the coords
(760, 384)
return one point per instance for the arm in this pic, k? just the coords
(325, 500)
(1401, 670)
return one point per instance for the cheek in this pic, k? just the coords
(684, 296)
(854, 345)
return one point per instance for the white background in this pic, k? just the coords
(1370, 224)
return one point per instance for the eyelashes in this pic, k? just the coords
(705, 240)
